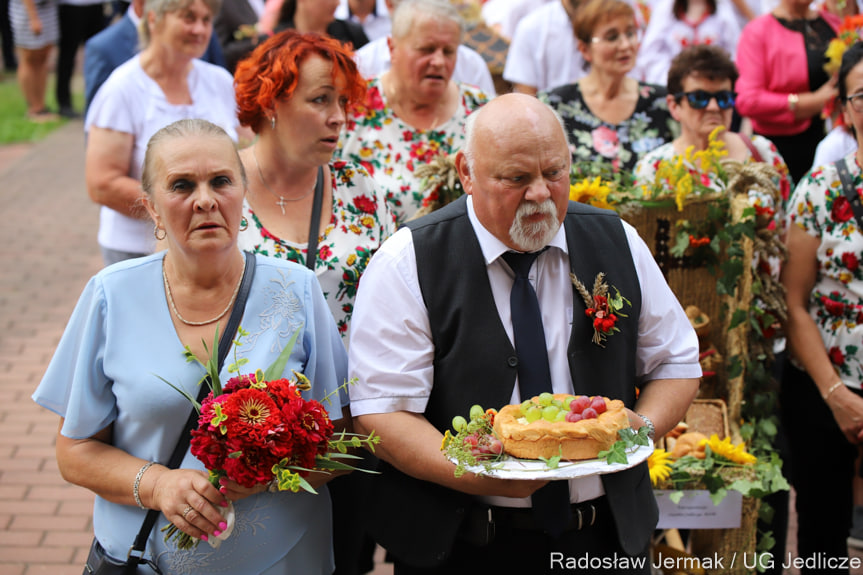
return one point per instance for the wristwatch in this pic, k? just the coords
(651, 429)
(793, 99)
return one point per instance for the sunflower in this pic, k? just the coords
(659, 466)
(594, 192)
(724, 448)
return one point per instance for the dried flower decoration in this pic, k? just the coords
(602, 309)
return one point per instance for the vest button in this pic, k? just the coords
(512, 361)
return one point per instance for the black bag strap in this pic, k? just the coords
(850, 191)
(225, 342)
(315, 224)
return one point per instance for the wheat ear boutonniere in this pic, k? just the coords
(603, 309)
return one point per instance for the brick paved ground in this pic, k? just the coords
(47, 252)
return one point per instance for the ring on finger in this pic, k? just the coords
(187, 510)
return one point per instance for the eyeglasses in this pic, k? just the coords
(633, 36)
(700, 99)
(856, 101)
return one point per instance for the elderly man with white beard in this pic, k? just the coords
(442, 321)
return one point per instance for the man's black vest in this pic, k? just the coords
(475, 363)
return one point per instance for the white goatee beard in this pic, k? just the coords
(528, 236)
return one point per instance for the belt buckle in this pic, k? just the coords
(582, 516)
(490, 528)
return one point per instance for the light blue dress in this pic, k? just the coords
(121, 336)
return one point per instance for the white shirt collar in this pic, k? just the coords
(257, 6)
(136, 21)
(492, 248)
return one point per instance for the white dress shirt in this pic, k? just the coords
(470, 68)
(392, 350)
(376, 25)
(506, 14)
(837, 144)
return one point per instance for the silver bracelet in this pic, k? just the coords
(651, 429)
(826, 395)
(137, 484)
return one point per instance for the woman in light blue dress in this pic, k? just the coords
(131, 325)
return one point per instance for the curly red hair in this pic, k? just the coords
(272, 71)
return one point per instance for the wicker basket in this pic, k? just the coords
(724, 543)
(708, 416)
(692, 285)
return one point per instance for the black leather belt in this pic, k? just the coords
(481, 521)
(584, 516)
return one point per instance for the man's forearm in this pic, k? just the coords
(665, 402)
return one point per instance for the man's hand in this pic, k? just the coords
(412, 445)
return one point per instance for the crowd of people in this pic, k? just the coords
(293, 131)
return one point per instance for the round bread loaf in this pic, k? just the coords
(571, 440)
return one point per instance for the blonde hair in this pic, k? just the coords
(407, 12)
(162, 7)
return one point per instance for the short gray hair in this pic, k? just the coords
(162, 7)
(183, 129)
(407, 11)
(470, 129)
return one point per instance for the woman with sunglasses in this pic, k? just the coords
(701, 98)
(611, 119)
(783, 86)
(823, 280)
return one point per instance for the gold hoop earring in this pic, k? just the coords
(244, 224)
(156, 230)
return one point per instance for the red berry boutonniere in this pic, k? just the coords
(602, 308)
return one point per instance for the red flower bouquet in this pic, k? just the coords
(258, 430)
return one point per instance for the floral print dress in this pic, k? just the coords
(622, 145)
(819, 207)
(360, 223)
(391, 150)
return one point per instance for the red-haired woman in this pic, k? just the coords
(293, 92)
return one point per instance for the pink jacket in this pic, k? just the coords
(772, 64)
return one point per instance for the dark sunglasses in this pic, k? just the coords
(699, 99)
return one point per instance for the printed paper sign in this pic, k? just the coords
(697, 511)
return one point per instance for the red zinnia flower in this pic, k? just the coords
(250, 412)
